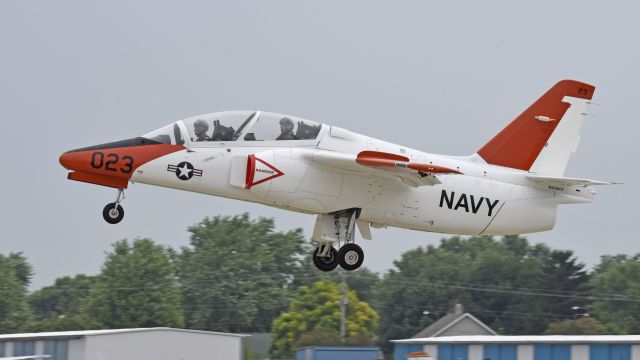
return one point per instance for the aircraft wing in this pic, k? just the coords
(566, 182)
(384, 164)
(28, 357)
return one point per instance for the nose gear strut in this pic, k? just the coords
(113, 212)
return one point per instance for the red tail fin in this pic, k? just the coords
(519, 144)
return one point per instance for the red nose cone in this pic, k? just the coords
(73, 160)
(65, 161)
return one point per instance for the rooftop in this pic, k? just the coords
(83, 333)
(449, 321)
(524, 339)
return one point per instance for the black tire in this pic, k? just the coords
(325, 263)
(350, 256)
(113, 214)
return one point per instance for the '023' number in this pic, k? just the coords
(98, 162)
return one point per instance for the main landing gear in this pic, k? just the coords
(113, 212)
(330, 229)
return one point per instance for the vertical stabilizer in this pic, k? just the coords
(544, 136)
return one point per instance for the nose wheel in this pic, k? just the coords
(113, 212)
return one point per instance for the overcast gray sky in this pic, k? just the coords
(441, 77)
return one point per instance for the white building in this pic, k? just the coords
(125, 344)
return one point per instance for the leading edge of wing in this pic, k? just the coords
(383, 164)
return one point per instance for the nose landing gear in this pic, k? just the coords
(113, 212)
(331, 228)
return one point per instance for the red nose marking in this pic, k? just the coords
(112, 166)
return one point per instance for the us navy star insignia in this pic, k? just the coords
(184, 170)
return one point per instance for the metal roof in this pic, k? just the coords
(437, 326)
(446, 322)
(83, 333)
(340, 348)
(524, 339)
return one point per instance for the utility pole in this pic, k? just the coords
(343, 311)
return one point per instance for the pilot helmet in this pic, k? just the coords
(202, 123)
(286, 121)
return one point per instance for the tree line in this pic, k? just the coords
(241, 275)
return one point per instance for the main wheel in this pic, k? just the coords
(350, 256)
(325, 263)
(113, 213)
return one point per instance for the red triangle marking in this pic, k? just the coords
(251, 167)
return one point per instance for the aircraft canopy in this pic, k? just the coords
(240, 126)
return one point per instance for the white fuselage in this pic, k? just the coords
(485, 199)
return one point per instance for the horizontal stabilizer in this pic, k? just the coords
(567, 182)
(384, 164)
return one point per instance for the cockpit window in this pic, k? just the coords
(271, 126)
(233, 125)
(223, 126)
(169, 134)
(236, 135)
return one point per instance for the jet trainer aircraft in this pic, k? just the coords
(511, 185)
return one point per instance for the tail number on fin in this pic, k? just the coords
(466, 202)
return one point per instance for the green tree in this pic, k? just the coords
(63, 323)
(513, 287)
(64, 297)
(15, 275)
(237, 274)
(583, 326)
(316, 309)
(136, 288)
(318, 338)
(324, 338)
(616, 293)
(60, 307)
(363, 281)
(606, 261)
(21, 268)
(545, 281)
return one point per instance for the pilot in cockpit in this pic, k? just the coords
(286, 130)
(200, 128)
